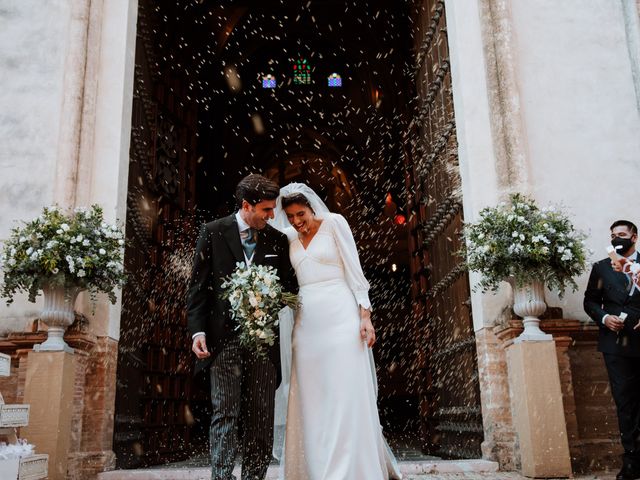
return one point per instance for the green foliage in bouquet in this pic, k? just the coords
(522, 241)
(255, 296)
(72, 250)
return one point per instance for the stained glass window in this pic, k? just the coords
(302, 72)
(269, 81)
(335, 80)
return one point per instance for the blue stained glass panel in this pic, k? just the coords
(335, 80)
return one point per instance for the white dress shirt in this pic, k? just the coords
(242, 226)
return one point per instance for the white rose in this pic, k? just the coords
(11, 261)
(81, 273)
(55, 271)
(121, 242)
(521, 236)
(59, 231)
(29, 250)
(102, 251)
(65, 227)
(86, 243)
(515, 234)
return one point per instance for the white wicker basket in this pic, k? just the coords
(5, 365)
(34, 467)
(14, 416)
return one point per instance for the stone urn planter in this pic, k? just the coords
(58, 314)
(528, 303)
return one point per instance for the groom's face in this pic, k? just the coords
(257, 215)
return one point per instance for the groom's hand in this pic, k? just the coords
(199, 347)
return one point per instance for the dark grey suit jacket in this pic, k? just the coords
(608, 293)
(218, 250)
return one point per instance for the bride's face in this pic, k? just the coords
(300, 217)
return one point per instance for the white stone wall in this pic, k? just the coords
(66, 89)
(555, 116)
(32, 58)
(580, 114)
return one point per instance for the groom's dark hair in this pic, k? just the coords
(255, 188)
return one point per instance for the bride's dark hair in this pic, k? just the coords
(296, 198)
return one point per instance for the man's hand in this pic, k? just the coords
(614, 323)
(367, 332)
(199, 347)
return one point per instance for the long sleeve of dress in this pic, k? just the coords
(349, 254)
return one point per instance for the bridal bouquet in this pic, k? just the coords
(256, 297)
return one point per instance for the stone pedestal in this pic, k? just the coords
(49, 389)
(538, 412)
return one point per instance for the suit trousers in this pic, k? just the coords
(624, 378)
(243, 387)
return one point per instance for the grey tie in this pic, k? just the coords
(248, 238)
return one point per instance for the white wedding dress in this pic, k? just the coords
(333, 429)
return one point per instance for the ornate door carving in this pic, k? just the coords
(449, 388)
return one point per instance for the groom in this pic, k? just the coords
(243, 384)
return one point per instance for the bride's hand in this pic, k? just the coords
(367, 332)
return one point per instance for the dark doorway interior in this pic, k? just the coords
(204, 116)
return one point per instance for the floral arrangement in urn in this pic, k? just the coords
(62, 254)
(529, 247)
(523, 242)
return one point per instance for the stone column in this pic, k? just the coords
(538, 411)
(49, 390)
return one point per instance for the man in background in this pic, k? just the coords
(612, 300)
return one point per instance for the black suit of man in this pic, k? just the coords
(241, 382)
(608, 293)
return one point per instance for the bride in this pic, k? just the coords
(333, 429)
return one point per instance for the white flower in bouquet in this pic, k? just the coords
(255, 297)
